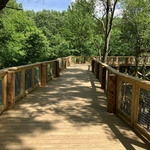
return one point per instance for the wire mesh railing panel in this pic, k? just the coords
(36, 75)
(100, 73)
(126, 98)
(114, 60)
(122, 60)
(144, 110)
(141, 60)
(1, 91)
(77, 60)
(48, 70)
(28, 79)
(53, 68)
(131, 60)
(88, 59)
(73, 59)
(17, 83)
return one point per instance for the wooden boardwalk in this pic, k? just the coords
(69, 113)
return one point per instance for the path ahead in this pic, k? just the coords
(67, 114)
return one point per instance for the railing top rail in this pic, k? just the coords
(26, 66)
(143, 83)
(3, 72)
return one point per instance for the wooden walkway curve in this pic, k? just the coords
(69, 113)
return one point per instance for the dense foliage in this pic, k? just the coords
(87, 28)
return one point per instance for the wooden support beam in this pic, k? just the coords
(43, 74)
(97, 70)
(103, 77)
(112, 84)
(57, 68)
(93, 66)
(10, 104)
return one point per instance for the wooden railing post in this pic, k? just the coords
(57, 68)
(65, 63)
(97, 70)
(112, 84)
(134, 104)
(93, 65)
(10, 104)
(43, 74)
(103, 77)
(69, 61)
(100, 72)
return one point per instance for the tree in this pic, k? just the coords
(51, 23)
(79, 30)
(16, 32)
(103, 11)
(136, 27)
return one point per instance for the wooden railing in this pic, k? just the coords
(16, 82)
(126, 95)
(116, 61)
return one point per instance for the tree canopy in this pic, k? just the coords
(88, 28)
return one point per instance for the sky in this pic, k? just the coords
(39, 5)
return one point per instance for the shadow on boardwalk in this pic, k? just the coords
(68, 113)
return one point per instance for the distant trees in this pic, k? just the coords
(20, 39)
(136, 27)
(85, 28)
(80, 30)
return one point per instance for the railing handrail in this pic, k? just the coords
(16, 82)
(39, 73)
(110, 78)
(3, 72)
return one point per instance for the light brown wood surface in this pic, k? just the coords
(69, 113)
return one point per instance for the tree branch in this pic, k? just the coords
(13, 8)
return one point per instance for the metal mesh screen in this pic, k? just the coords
(53, 68)
(1, 91)
(144, 109)
(17, 83)
(88, 59)
(36, 75)
(49, 70)
(73, 59)
(122, 60)
(100, 73)
(28, 78)
(77, 60)
(126, 97)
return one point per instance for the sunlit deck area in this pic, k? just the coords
(69, 113)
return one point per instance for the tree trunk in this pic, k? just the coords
(106, 48)
(137, 55)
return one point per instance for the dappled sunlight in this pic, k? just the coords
(70, 109)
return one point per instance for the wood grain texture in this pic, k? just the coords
(69, 113)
